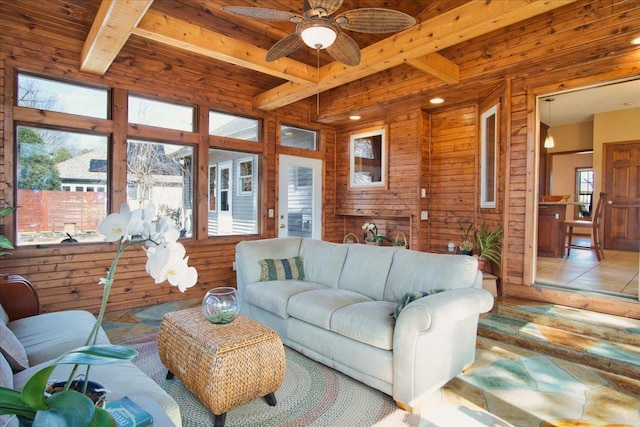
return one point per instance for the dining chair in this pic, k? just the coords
(594, 224)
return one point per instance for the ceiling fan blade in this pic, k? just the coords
(329, 5)
(263, 13)
(284, 47)
(375, 20)
(345, 50)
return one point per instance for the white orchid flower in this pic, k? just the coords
(365, 227)
(163, 231)
(181, 275)
(141, 220)
(116, 225)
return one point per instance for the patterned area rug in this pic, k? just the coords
(310, 395)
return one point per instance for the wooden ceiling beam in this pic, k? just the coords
(109, 32)
(465, 22)
(194, 38)
(437, 66)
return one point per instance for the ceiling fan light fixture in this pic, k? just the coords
(318, 35)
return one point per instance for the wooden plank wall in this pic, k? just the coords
(395, 209)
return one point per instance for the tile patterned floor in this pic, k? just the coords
(616, 274)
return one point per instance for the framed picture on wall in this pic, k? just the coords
(368, 158)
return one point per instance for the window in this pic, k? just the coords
(584, 192)
(245, 177)
(221, 124)
(299, 138)
(233, 211)
(488, 157)
(55, 172)
(162, 174)
(160, 114)
(51, 95)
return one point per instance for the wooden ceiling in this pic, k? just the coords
(200, 27)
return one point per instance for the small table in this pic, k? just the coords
(225, 366)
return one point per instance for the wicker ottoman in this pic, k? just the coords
(225, 366)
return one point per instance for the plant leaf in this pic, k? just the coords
(97, 355)
(33, 390)
(102, 418)
(5, 243)
(11, 403)
(75, 408)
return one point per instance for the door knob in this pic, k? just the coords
(283, 226)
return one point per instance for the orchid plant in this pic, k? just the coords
(166, 261)
(373, 229)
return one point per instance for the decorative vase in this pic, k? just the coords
(372, 242)
(220, 305)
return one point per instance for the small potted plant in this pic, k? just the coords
(489, 244)
(466, 245)
(375, 239)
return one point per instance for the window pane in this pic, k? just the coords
(51, 95)
(62, 185)
(161, 114)
(162, 174)
(235, 210)
(221, 124)
(299, 138)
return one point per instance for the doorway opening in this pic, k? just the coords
(594, 130)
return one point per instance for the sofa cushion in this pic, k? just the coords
(274, 296)
(281, 269)
(12, 349)
(368, 322)
(366, 269)
(317, 306)
(323, 261)
(248, 254)
(4, 317)
(48, 335)
(420, 271)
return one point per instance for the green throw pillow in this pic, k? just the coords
(282, 269)
(408, 298)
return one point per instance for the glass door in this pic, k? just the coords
(300, 197)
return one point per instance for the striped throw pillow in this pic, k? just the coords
(282, 269)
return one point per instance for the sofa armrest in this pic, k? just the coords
(18, 297)
(449, 306)
(434, 340)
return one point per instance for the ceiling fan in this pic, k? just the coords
(319, 30)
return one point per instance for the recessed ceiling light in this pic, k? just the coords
(636, 40)
(628, 104)
(436, 100)
(354, 117)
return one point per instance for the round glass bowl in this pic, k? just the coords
(220, 305)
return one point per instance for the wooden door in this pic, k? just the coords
(622, 183)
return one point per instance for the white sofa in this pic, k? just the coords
(46, 336)
(340, 314)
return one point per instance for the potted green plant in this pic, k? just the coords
(66, 408)
(375, 238)
(466, 245)
(489, 243)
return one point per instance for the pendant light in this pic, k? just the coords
(549, 141)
